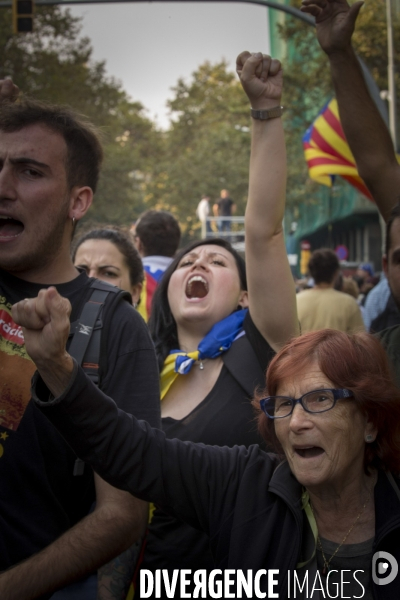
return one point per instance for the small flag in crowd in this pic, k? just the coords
(327, 151)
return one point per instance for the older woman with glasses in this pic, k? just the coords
(321, 516)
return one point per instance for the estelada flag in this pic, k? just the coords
(146, 296)
(327, 151)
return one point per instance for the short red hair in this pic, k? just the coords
(357, 362)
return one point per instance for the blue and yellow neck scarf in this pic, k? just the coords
(218, 340)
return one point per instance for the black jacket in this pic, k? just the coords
(389, 317)
(249, 505)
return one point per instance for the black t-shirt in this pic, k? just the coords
(225, 207)
(224, 418)
(40, 497)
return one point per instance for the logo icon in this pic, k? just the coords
(85, 329)
(384, 568)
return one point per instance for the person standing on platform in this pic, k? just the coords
(224, 207)
(202, 212)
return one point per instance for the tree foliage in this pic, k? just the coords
(207, 146)
(54, 63)
(208, 143)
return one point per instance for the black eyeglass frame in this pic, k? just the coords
(338, 394)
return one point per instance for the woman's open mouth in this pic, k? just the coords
(310, 452)
(10, 228)
(196, 287)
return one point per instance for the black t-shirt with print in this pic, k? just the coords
(40, 497)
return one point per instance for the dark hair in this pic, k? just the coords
(323, 265)
(84, 151)
(355, 361)
(162, 324)
(159, 233)
(395, 214)
(123, 241)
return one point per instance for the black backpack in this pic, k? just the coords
(87, 341)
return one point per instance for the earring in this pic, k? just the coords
(369, 438)
(73, 221)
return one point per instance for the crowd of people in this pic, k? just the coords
(243, 425)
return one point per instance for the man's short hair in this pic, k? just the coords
(159, 233)
(84, 150)
(395, 214)
(323, 265)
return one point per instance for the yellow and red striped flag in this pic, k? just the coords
(327, 151)
(146, 297)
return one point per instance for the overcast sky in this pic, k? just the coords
(149, 45)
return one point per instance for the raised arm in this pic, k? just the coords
(272, 296)
(365, 130)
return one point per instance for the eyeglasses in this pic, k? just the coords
(317, 401)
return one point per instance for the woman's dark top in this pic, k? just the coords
(224, 418)
(249, 507)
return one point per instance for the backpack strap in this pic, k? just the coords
(242, 363)
(86, 335)
(82, 329)
(86, 332)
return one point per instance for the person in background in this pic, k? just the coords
(157, 236)
(322, 306)
(368, 138)
(202, 212)
(376, 301)
(366, 281)
(224, 207)
(291, 249)
(109, 254)
(347, 285)
(304, 284)
(365, 271)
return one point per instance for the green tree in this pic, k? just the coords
(207, 146)
(54, 63)
(132, 150)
